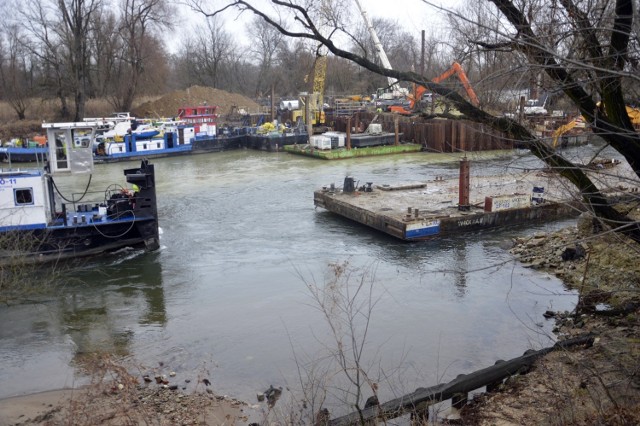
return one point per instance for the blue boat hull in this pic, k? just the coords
(138, 155)
(23, 155)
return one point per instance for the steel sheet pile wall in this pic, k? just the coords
(435, 135)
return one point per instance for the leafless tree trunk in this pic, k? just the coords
(139, 18)
(16, 78)
(106, 47)
(266, 42)
(76, 17)
(43, 42)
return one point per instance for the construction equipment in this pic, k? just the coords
(421, 91)
(314, 102)
(634, 116)
(312, 112)
(393, 91)
(456, 68)
(577, 122)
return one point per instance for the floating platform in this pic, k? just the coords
(218, 143)
(343, 153)
(414, 211)
(275, 141)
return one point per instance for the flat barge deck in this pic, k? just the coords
(414, 211)
(343, 153)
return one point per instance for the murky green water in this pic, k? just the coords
(227, 292)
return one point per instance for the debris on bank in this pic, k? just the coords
(595, 385)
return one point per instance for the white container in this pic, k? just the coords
(321, 142)
(290, 104)
(374, 128)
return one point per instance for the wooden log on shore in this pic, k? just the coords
(460, 385)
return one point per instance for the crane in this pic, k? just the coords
(313, 102)
(396, 90)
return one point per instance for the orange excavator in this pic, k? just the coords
(456, 68)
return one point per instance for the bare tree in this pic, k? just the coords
(139, 18)
(74, 32)
(106, 47)
(494, 72)
(44, 43)
(298, 60)
(266, 40)
(605, 35)
(16, 73)
(207, 52)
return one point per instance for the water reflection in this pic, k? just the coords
(462, 266)
(102, 306)
(100, 309)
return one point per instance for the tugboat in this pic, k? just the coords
(39, 224)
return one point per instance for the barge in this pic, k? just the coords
(275, 141)
(227, 139)
(414, 211)
(343, 153)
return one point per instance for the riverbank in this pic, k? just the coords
(598, 384)
(139, 405)
(118, 393)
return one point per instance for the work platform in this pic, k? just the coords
(414, 211)
(343, 153)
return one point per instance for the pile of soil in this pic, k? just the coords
(167, 105)
(597, 384)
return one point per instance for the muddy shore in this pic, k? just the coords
(596, 384)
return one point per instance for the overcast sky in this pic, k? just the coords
(413, 15)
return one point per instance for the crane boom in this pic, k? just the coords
(376, 42)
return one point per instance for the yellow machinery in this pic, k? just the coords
(565, 128)
(633, 113)
(634, 116)
(315, 100)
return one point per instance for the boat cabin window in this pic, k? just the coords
(23, 196)
(61, 151)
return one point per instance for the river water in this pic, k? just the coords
(227, 295)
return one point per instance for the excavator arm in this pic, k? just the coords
(562, 130)
(462, 76)
(456, 68)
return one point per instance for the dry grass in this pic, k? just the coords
(42, 110)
